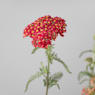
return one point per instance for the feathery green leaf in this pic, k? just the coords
(84, 73)
(53, 79)
(57, 76)
(59, 60)
(44, 69)
(86, 51)
(33, 77)
(84, 80)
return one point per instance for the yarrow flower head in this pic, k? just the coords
(44, 30)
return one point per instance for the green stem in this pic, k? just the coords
(47, 78)
(48, 71)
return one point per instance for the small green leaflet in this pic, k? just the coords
(89, 59)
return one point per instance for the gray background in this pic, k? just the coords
(16, 62)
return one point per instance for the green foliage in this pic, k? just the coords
(43, 69)
(58, 86)
(34, 50)
(88, 66)
(86, 51)
(89, 59)
(94, 37)
(49, 80)
(33, 77)
(52, 56)
(84, 80)
(60, 61)
(49, 53)
(53, 80)
(57, 76)
(89, 72)
(84, 73)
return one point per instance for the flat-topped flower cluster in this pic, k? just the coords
(44, 30)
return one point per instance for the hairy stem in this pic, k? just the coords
(48, 71)
(47, 78)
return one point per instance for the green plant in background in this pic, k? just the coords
(89, 73)
(43, 31)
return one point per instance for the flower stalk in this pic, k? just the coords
(48, 52)
(47, 78)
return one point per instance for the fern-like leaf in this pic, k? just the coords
(33, 77)
(53, 80)
(60, 61)
(57, 76)
(43, 68)
(84, 73)
(84, 80)
(86, 51)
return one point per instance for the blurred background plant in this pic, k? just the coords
(89, 73)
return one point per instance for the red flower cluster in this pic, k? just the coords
(85, 91)
(44, 30)
(88, 91)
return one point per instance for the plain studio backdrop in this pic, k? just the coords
(17, 63)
